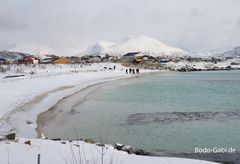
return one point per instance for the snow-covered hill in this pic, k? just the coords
(138, 43)
(12, 56)
(220, 52)
(235, 53)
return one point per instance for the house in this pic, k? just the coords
(49, 59)
(29, 60)
(111, 58)
(114, 59)
(206, 59)
(164, 60)
(138, 58)
(235, 63)
(62, 61)
(74, 59)
(131, 55)
(216, 59)
(96, 59)
(193, 59)
(92, 58)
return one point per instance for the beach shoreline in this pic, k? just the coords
(78, 97)
(35, 94)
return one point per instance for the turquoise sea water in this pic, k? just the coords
(103, 117)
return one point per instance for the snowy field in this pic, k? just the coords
(77, 152)
(23, 98)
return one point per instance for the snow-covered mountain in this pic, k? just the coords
(235, 53)
(144, 44)
(220, 52)
(12, 56)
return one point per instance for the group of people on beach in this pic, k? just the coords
(132, 71)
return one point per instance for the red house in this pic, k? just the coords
(29, 60)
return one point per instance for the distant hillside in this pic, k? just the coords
(144, 44)
(235, 53)
(12, 56)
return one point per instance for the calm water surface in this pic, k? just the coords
(104, 117)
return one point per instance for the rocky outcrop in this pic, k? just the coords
(89, 140)
(171, 117)
(140, 152)
(129, 149)
(119, 146)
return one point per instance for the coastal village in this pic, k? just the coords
(22, 76)
(25, 75)
(139, 60)
(140, 52)
(119, 82)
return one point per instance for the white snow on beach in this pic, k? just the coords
(41, 91)
(76, 152)
(23, 98)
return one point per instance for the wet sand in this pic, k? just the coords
(56, 115)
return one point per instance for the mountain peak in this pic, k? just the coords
(138, 43)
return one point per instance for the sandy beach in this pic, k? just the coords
(65, 107)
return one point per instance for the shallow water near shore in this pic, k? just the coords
(203, 109)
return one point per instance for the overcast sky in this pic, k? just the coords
(188, 24)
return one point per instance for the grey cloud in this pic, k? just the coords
(186, 23)
(238, 21)
(196, 13)
(9, 22)
(11, 25)
(4, 46)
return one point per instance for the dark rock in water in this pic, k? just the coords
(119, 146)
(170, 117)
(140, 152)
(28, 142)
(11, 136)
(89, 140)
(128, 149)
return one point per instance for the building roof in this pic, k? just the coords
(131, 54)
(62, 61)
(31, 57)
